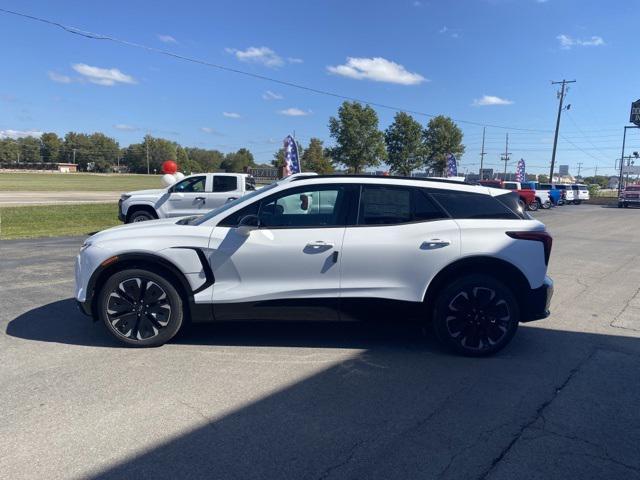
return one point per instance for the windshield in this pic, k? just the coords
(231, 204)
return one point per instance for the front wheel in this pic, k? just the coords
(546, 205)
(140, 308)
(476, 315)
(140, 216)
(533, 206)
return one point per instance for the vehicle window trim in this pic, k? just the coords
(192, 180)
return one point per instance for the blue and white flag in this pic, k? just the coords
(520, 172)
(452, 165)
(291, 159)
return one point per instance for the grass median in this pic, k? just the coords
(56, 220)
(85, 182)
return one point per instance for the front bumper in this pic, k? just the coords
(121, 215)
(536, 303)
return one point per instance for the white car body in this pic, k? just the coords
(580, 193)
(194, 195)
(228, 268)
(569, 194)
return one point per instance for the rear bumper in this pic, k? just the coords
(536, 303)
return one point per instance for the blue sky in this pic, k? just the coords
(484, 61)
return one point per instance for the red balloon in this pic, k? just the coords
(169, 167)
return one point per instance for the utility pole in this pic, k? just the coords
(580, 167)
(18, 156)
(555, 137)
(74, 156)
(505, 157)
(596, 174)
(146, 142)
(482, 154)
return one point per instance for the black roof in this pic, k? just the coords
(302, 176)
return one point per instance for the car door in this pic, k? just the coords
(288, 267)
(224, 189)
(188, 197)
(401, 240)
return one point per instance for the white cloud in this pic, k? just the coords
(294, 60)
(269, 95)
(417, 3)
(210, 131)
(58, 77)
(262, 55)
(231, 114)
(567, 42)
(444, 29)
(487, 100)
(103, 76)
(125, 128)
(294, 112)
(19, 133)
(377, 69)
(166, 38)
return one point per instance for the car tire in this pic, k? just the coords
(533, 206)
(625, 205)
(546, 205)
(476, 315)
(140, 308)
(140, 216)
(577, 202)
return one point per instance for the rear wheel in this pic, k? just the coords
(533, 206)
(140, 308)
(577, 202)
(476, 315)
(546, 205)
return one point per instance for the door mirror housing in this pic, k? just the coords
(247, 224)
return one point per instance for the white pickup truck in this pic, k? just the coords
(194, 195)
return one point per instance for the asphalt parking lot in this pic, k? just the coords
(324, 401)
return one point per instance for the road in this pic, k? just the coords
(14, 199)
(309, 401)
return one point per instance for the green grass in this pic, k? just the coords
(56, 220)
(62, 182)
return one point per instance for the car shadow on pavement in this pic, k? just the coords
(62, 322)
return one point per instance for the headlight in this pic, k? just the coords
(85, 245)
(125, 196)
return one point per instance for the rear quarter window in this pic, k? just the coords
(467, 205)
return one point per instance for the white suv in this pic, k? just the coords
(194, 195)
(328, 248)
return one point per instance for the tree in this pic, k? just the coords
(600, 180)
(359, 143)
(441, 137)
(315, 159)
(209, 160)
(51, 146)
(9, 150)
(30, 149)
(186, 164)
(103, 153)
(542, 178)
(160, 150)
(236, 162)
(405, 146)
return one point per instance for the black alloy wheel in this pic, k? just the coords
(476, 315)
(140, 308)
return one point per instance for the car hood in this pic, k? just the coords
(152, 191)
(149, 228)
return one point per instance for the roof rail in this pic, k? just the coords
(302, 176)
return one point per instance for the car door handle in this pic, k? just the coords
(434, 243)
(319, 244)
(200, 198)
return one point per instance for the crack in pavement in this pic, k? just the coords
(624, 309)
(331, 468)
(538, 413)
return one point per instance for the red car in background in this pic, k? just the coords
(629, 196)
(527, 196)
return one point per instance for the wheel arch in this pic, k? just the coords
(141, 207)
(500, 269)
(143, 260)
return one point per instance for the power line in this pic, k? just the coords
(99, 36)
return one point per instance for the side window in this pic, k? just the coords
(316, 207)
(474, 205)
(225, 183)
(233, 219)
(382, 205)
(192, 184)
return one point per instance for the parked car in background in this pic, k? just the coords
(527, 196)
(194, 195)
(329, 247)
(629, 196)
(543, 197)
(555, 195)
(580, 193)
(567, 192)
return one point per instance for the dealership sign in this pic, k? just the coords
(635, 113)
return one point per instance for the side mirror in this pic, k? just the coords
(247, 224)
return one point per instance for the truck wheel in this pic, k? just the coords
(140, 308)
(546, 205)
(476, 315)
(140, 216)
(577, 202)
(533, 206)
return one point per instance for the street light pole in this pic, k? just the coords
(624, 139)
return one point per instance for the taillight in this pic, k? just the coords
(540, 236)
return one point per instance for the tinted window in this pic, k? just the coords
(544, 186)
(474, 205)
(316, 207)
(249, 183)
(510, 185)
(224, 183)
(233, 219)
(192, 184)
(389, 206)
